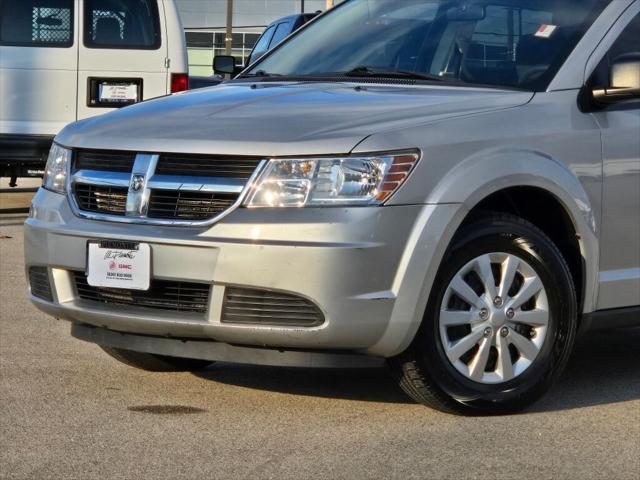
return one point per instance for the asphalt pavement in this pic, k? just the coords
(67, 410)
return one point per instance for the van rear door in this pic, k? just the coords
(122, 54)
(38, 65)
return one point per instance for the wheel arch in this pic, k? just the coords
(476, 184)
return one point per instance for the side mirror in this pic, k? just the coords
(625, 81)
(224, 64)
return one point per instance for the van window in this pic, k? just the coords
(36, 23)
(280, 34)
(126, 24)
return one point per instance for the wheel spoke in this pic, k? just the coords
(451, 318)
(534, 318)
(509, 269)
(463, 345)
(486, 275)
(526, 347)
(496, 323)
(464, 291)
(479, 363)
(531, 287)
(505, 367)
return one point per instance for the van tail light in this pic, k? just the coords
(179, 82)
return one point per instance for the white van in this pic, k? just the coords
(65, 60)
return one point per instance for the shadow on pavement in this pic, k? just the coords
(604, 369)
(371, 385)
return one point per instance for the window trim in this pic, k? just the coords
(87, 42)
(66, 45)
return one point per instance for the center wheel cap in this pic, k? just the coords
(498, 318)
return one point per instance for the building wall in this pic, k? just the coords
(205, 24)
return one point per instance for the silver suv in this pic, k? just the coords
(450, 187)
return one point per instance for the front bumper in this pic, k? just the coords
(364, 267)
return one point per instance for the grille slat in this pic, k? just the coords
(162, 295)
(98, 199)
(207, 165)
(188, 205)
(103, 160)
(269, 304)
(40, 284)
(262, 307)
(271, 311)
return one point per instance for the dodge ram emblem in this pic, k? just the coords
(137, 182)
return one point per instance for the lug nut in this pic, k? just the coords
(484, 314)
(497, 302)
(488, 332)
(511, 313)
(504, 331)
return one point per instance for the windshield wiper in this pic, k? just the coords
(259, 74)
(381, 73)
(358, 72)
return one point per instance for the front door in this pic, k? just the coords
(620, 236)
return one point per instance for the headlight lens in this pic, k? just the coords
(317, 182)
(55, 173)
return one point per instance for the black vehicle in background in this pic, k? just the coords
(275, 33)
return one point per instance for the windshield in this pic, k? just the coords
(504, 43)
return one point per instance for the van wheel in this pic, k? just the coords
(500, 323)
(156, 363)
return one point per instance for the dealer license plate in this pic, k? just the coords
(117, 264)
(118, 93)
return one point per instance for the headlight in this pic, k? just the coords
(317, 182)
(55, 173)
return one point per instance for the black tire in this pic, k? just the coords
(425, 373)
(156, 363)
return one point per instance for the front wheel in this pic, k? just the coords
(156, 363)
(500, 322)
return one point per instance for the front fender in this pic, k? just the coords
(455, 195)
(480, 176)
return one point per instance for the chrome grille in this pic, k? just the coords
(263, 307)
(98, 199)
(161, 189)
(188, 205)
(162, 295)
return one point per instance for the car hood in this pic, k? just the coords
(279, 119)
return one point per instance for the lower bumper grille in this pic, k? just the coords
(40, 284)
(262, 307)
(162, 295)
(107, 200)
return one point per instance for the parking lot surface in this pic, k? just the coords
(67, 410)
